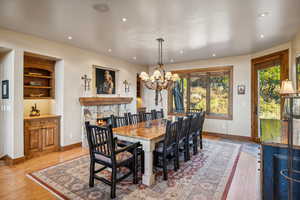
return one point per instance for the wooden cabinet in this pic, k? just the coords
(41, 135)
(39, 75)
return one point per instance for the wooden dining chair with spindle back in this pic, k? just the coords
(103, 151)
(120, 121)
(153, 114)
(160, 114)
(148, 116)
(183, 137)
(193, 136)
(167, 148)
(142, 116)
(134, 118)
(124, 121)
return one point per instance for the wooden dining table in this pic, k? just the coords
(148, 136)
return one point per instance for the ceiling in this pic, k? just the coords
(193, 29)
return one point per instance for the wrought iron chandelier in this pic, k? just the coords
(160, 80)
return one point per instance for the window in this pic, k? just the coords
(209, 89)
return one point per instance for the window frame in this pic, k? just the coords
(190, 72)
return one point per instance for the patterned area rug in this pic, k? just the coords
(207, 176)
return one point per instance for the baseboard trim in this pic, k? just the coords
(13, 161)
(71, 146)
(230, 137)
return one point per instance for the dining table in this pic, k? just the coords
(147, 133)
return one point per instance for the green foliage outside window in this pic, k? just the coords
(269, 86)
(212, 88)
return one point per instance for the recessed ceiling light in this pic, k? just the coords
(181, 52)
(134, 58)
(109, 50)
(214, 55)
(70, 38)
(262, 36)
(171, 60)
(264, 14)
(124, 19)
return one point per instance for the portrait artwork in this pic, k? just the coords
(105, 81)
(241, 89)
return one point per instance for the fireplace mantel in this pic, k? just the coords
(98, 101)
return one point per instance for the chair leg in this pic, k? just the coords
(201, 145)
(195, 144)
(113, 183)
(176, 166)
(143, 161)
(135, 158)
(186, 152)
(165, 170)
(92, 169)
(175, 163)
(187, 149)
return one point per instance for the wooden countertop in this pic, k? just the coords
(42, 117)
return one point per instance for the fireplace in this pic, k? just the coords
(103, 121)
(97, 111)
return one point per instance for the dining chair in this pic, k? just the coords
(134, 118)
(119, 121)
(148, 116)
(153, 114)
(160, 114)
(193, 137)
(183, 137)
(105, 152)
(142, 116)
(123, 121)
(200, 133)
(166, 149)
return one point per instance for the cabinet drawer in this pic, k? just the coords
(33, 123)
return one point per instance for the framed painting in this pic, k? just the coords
(241, 89)
(105, 80)
(5, 89)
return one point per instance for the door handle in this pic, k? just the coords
(255, 110)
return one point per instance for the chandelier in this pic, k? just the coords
(160, 80)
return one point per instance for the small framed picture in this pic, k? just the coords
(5, 89)
(241, 89)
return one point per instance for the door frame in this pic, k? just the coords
(284, 69)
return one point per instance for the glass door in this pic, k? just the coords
(269, 102)
(266, 102)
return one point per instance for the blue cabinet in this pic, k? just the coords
(274, 185)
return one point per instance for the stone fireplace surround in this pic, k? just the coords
(96, 108)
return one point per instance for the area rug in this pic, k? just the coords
(207, 176)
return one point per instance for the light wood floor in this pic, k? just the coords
(15, 185)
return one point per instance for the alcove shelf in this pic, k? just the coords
(39, 77)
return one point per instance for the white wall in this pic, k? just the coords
(6, 105)
(74, 63)
(241, 122)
